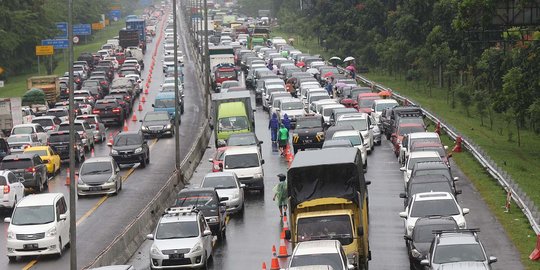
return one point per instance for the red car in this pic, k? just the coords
(217, 160)
(431, 146)
(404, 128)
(365, 101)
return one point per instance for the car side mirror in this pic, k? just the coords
(150, 236)
(7, 220)
(459, 191)
(63, 216)
(424, 262)
(210, 160)
(492, 259)
(77, 173)
(207, 233)
(465, 211)
(368, 182)
(140, 120)
(403, 214)
(407, 238)
(21, 180)
(242, 185)
(456, 179)
(152, 105)
(262, 161)
(288, 234)
(260, 142)
(403, 195)
(402, 169)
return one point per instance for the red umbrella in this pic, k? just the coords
(328, 74)
(385, 93)
(300, 64)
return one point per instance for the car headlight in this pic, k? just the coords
(51, 232)
(138, 150)
(110, 180)
(169, 126)
(197, 248)
(154, 251)
(10, 234)
(415, 253)
(114, 152)
(212, 219)
(258, 175)
(144, 127)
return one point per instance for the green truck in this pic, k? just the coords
(328, 199)
(232, 113)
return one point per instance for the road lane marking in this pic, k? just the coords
(30, 264)
(89, 212)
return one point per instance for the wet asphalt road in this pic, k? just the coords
(101, 218)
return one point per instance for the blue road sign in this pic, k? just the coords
(115, 15)
(82, 29)
(62, 27)
(56, 43)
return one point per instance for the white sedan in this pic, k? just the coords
(12, 189)
(227, 186)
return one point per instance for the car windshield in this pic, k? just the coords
(172, 230)
(308, 123)
(297, 105)
(424, 233)
(430, 187)
(241, 140)
(410, 129)
(458, 253)
(355, 140)
(444, 172)
(59, 138)
(366, 102)
(200, 200)
(167, 88)
(381, 106)
(318, 97)
(33, 215)
(156, 117)
(219, 182)
(413, 161)
(438, 149)
(40, 153)
(226, 74)
(332, 259)
(326, 227)
(358, 124)
(90, 120)
(16, 164)
(130, 139)
(65, 127)
(18, 139)
(164, 103)
(445, 207)
(233, 123)
(239, 161)
(327, 111)
(22, 130)
(90, 168)
(168, 59)
(43, 122)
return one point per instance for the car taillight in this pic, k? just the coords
(31, 169)
(95, 111)
(116, 110)
(7, 189)
(216, 167)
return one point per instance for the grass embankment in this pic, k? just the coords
(520, 162)
(16, 85)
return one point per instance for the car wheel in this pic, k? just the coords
(295, 150)
(46, 182)
(117, 189)
(148, 159)
(205, 265)
(12, 259)
(182, 109)
(38, 188)
(60, 248)
(143, 162)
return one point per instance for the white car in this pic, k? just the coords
(32, 128)
(362, 123)
(433, 204)
(17, 143)
(12, 189)
(228, 84)
(356, 140)
(38, 226)
(293, 107)
(317, 253)
(411, 138)
(326, 111)
(381, 104)
(227, 186)
(416, 157)
(182, 238)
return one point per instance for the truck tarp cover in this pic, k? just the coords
(323, 174)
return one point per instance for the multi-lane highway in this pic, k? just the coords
(101, 218)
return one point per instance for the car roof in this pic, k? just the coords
(340, 133)
(27, 125)
(165, 95)
(316, 247)
(337, 142)
(430, 196)
(243, 134)
(39, 199)
(248, 149)
(49, 117)
(430, 165)
(326, 156)
(37, 148)
(19, 156)
(417, 135)
(197, 190)
(424, 154)
(435, 220)
(386, 100)
(98, 159)
(458, 237)
(219, 174)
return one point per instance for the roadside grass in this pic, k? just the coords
(16, 85)
(500, 143)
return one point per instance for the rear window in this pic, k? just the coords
(12, 164)
(104, 105)
(58, 113)
(3, 181)
(65, 127)
(90, 120)
(129, 139)
(43, 122)
(59, 138)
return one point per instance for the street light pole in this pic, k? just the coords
(206, 57)
(72, 192)
(177, 98)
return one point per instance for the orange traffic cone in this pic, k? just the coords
(110, 142)
(146, 91)
(140, 106)
(68, 179)
(285, 226)
(274, 265)
(125, 125)
(92, 152)
(134, 118)
(282, 249)
(263, 266)
(143, 99)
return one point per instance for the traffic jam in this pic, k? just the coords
(322, 124)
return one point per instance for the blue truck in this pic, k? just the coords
(140, 26)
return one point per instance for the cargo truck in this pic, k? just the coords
(232, 113)
(12, 113)
(140, 26)
(50, 85)
(328, 199)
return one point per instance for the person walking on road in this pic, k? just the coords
(286, 122)
(280, 194)
(283, 137)
(273, 125)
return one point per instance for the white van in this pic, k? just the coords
(39, 225)
(247, 163)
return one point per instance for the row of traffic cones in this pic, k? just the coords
(283, 253)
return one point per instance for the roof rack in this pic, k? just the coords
(474, 230)
(177, 211)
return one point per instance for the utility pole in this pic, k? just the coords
(72, 191)
(206, 57)
(177, 98)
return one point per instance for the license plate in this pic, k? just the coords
(308, 141)
(30, 246)
(95, 188)
(176, 256)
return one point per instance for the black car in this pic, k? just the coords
(428, 183)
(130, 147)
(157, 124)
(308, 132)
(59, 141)
(418, 244)
(27, 166)
(110, 111)
(4, 148)
(207, 201)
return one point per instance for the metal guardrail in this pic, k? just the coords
(521, 199)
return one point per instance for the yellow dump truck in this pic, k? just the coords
(49, 84)
(328, 199)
